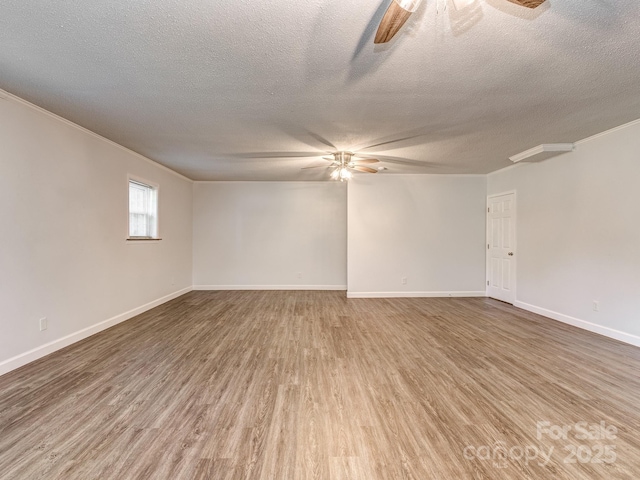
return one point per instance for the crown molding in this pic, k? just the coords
(4, 95)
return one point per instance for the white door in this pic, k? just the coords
(501, 243)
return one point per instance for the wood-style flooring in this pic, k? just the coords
(311, 385)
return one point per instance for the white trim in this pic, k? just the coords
(607, 132)
(583, 324)
(27, 357)
(142, 181)
(265, 181)
(269, 287)
(328, 180)
(89, 132)
(508, 192)
(456, 175)
(415, 294)
(135, 241)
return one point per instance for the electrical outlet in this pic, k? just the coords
(299, 275)
(43, 324)
(596, 306)
(404, 280)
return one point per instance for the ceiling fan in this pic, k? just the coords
(344, 162)
(400, 10)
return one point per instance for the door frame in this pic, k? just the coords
(515, 242)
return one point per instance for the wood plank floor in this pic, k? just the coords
(311, 385)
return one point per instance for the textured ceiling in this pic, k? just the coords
(233, 89)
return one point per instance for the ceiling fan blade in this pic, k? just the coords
(364, 161)
(278, 155)
(322, 140)
(394, 18)
(404, 161)
(395, 140)
(316, 166)
(528, 3)
(364, 169)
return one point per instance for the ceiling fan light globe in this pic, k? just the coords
(345, 174)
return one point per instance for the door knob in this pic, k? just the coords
(510, 254)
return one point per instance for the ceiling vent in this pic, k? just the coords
(542, 152)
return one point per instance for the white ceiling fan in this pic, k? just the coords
(344, 162)
(400, 10)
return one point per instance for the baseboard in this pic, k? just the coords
(19, 360)
(415, 294)
(583, 324)
(269, 287)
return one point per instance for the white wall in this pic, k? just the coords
(263, 234)
(578, 228)
(63, 224)
(427, 228)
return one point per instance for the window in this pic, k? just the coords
(143, 211)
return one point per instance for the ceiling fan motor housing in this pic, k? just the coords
(343, 158)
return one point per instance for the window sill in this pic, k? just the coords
(142, 240)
